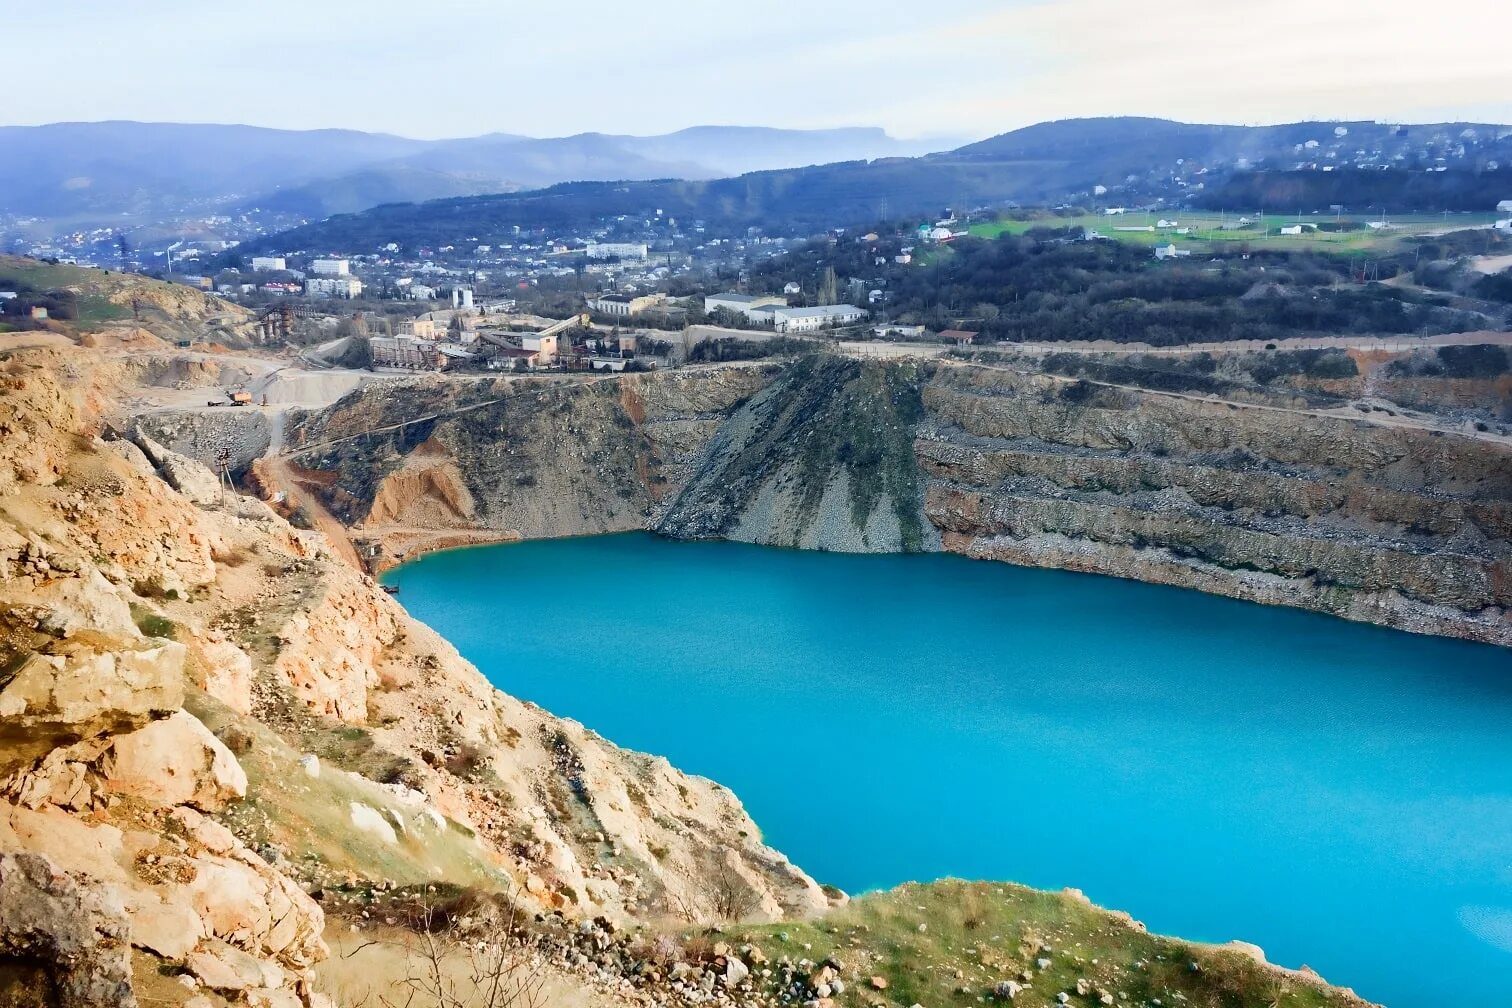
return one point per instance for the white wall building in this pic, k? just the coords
(342, 287)
(746, 304)
(620, 250)
(331, 267)
(792, 320)
(268, 264)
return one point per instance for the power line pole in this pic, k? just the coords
(223, 470)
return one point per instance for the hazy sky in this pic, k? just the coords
(955, 67)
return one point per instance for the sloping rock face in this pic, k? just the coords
(136, 617)
(820, 459)
(1396, 525)
(1273, 477)
(530, 457)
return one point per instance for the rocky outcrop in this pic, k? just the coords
(820, 459)
(191, 478)
(55, 700)
(172, 654)
(63, 940)
(1391, 524)
(175, 761)
(516, 457)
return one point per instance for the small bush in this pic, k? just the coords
(467, 759)
(154, 625)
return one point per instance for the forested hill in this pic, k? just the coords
(1104, 160)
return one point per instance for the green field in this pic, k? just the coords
(1207, 235)
(94, 307)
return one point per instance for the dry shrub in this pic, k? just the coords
(461, 949)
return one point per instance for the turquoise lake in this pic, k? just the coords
(1340, 795)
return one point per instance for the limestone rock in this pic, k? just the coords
(170, 929)
(176, 761)
(74, 927)
(191, 478)
(226, 968)
(222, 669)
(54, 700)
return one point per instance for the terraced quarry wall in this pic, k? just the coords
(1399, 526)
(1271, 490)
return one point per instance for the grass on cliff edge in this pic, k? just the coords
(94, 306)
(978, 933)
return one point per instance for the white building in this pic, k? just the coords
(896, 331)
(623, 305)
(746, 304)
(789, 320)
(1171, 252)
(268, 264)
(331, 267)
(342, 287)
(616, 250)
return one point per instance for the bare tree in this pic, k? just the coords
(450, 964)
(733, 897)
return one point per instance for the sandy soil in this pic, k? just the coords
(1491, 264)
(889, 351)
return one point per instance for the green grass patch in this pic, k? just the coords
(1207, 234)
(950, 943)
(154, 624)
(34, 275)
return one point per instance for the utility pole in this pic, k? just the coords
(223, 470)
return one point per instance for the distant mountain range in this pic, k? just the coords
(1438, 166)
(101, 172)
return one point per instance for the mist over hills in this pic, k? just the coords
(1438, 166)
(102, 171)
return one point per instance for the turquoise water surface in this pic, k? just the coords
(1341, 795)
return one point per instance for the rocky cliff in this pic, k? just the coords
(1401, 525)
(509, 457)
(208, 714)
(234, 772)
(1285, 478)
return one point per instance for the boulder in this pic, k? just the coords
(370, 820)
(222, 669)
(1007, 990)
(55, 700)
(735, 971)
(73, 929)
(188, 476)
(228, 969)
(169, 929)
(263, 997)
(175, 761)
